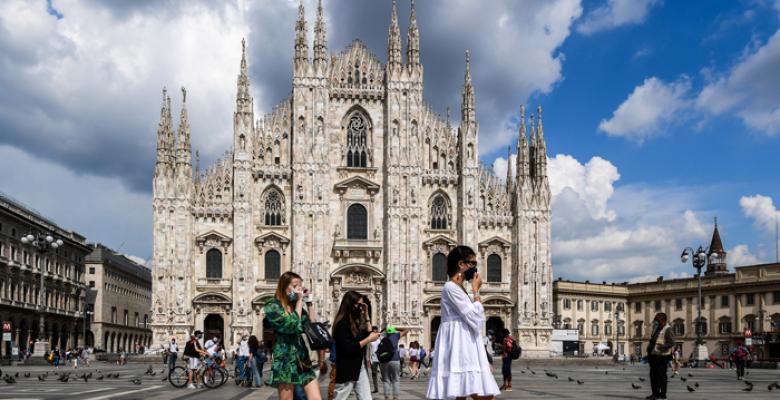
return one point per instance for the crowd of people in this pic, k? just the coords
(361, 354)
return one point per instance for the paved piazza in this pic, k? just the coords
(599, 382)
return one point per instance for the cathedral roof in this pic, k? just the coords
(356, 67)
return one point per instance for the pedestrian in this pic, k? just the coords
(676, 361)
(414, 360)
(740, 356)
(463, 369)
(352, 334)
(193, 350)
(257, 358)
(402, 354)
(659, 353)
(56, 358)
(173, 354)
(375, 360)
(423, 355)
(242, 356)
(391, 368)
(291, 362)
(506, 359)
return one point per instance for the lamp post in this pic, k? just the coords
(87, 313)
(42, 243)
(699, 260)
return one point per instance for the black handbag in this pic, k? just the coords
(318, 336)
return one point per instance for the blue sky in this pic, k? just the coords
(659, 115)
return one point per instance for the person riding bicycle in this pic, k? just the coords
(193, 350)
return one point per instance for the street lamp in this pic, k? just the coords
(617, 333)
(87, 314)
(42, 243)
(699, 260)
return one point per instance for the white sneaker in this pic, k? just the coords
(190, 386)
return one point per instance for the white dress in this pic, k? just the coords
(460, 367)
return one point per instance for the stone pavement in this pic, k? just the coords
(614, 382)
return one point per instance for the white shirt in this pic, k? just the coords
(402, 352)
(414, 353)
(211, 348)
(243, 349)
(173, 348)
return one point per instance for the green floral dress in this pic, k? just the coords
(288, 345)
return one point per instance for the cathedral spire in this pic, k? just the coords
(183, 147)
(541, 152)
(521, 165)
(467, 108)
(164, 136)
(509, 169)
(301, 45)
(413, 40)
(320, 46)
(243, 99)
(394, 40)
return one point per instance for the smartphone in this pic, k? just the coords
(306, 295)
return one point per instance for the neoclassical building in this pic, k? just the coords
(355, 183)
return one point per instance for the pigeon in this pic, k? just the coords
(606, 372)
(690, 389)
(65, 378)
(9, 379)
(26, 374)
(690, 375)
(570, 379)
(100, 377)
(641, 379)
(579, 382)
(532, 371)
(749, 383)
(748, 389)
(551, 375)
(153, 374)
(137, 381)
(85, 378)
(149, 370)
(522, 371)
(635, 386)
(682, 378)
(696, 384)
(17, 375)
(41, 377)
(89, 375)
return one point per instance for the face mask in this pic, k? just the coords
(469, 274)
(292, 297)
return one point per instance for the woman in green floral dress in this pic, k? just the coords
(287, 318)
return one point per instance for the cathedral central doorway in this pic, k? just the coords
(213, 325)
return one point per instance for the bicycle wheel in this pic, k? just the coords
(213, 377)
(225, 375)
(178, 377)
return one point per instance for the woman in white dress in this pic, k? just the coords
(460, 368)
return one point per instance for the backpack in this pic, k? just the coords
(740, 353)
(385, 351)
(516, 351)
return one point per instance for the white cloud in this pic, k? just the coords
(615, 13)
(618, 233)
(762, 210)
(102, 209)
(749, 89)
(648, 109)
(740, 255)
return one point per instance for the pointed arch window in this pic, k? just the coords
(494, 268)
(273, 267)
(357, 141)
(439, 264)
(214, 264)
(274, 208)
(439, 213)
(357, 222)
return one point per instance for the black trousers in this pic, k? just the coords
(658, 378)
(740, 368)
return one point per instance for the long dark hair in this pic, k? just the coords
(458, 254)
(347, 312)
(281, 288)
(254, 344)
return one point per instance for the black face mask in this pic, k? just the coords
(469, 274)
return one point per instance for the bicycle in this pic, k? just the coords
(178, 376)
(212, 373)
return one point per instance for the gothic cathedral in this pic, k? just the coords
(355, 183)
